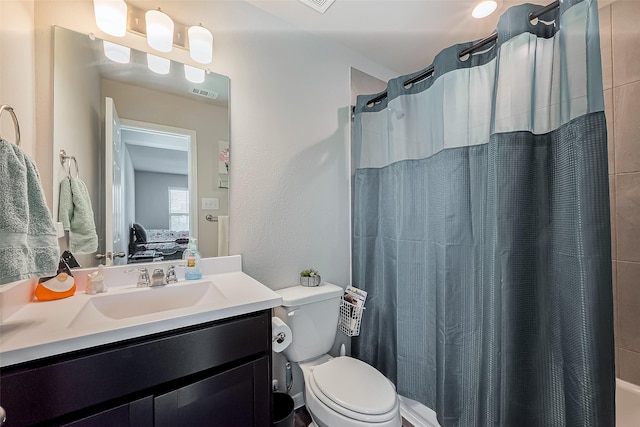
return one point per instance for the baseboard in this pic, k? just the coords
(298, 400)
(417, 414)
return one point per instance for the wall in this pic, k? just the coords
(290, 93)
(290, 176)
(17, 70)
(620, 39)
(152, 200)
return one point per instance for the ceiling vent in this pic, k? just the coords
(319, 5)
(203, 92)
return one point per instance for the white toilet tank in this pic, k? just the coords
(312, 315)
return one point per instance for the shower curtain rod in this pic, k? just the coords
(483, 42)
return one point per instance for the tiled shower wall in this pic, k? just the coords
(620, 40)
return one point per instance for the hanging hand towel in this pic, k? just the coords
(76, 215)
(28, 242)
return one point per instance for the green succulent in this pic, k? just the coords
(309, 273)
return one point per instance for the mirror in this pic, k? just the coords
(167, 172)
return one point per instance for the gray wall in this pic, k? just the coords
(152, 197)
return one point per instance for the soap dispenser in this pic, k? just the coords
(192, 261)
(95, 284)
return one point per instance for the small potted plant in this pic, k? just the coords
(309, 277)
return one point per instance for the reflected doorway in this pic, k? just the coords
(160, 189)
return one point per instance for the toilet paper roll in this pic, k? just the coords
(280, 335)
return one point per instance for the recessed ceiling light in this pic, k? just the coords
(484, 9)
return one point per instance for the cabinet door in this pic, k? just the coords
(238, 397)
(135, 414)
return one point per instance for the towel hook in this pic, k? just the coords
(16, 126)
(66, 158)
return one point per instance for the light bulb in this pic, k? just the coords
(159, 30)
(157, 64)
(484, 9)
(111, 16)
(116, 52)
(193, 74)
(200, 44)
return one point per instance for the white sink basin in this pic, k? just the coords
(144, 301)
(38, 329)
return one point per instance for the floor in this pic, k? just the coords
(303, 419)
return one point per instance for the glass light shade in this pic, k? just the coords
(116, 52)
(159, 30)
(111, 16)
(200, 44)
(157, 64)
(484, 9)
(193, 74)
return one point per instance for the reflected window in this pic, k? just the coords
(178, 209)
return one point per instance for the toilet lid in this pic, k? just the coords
(356, 386)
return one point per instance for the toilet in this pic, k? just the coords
(340, 391)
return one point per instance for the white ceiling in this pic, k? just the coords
(402, 35)
(152, 151)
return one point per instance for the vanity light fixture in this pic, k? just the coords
(157, 64)
(111, 16)
(116, 52)
(115, 18)
(193, 74)
(159, 30)
(484, 9)
(200, 44)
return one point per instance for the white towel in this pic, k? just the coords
(223, 235)
(28, 242)
(76, 215)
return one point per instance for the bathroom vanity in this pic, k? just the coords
(207, 363)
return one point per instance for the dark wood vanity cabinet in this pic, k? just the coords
(213, 374)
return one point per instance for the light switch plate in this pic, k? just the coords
(210, 204)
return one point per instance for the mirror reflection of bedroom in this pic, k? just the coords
(157, 191)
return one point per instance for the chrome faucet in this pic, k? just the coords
(143, 276)
(157, 278)
(171, 274)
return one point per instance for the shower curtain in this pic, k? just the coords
(481, 229)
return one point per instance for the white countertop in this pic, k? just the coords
(40, 329)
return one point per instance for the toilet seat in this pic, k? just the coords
(354, 389)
